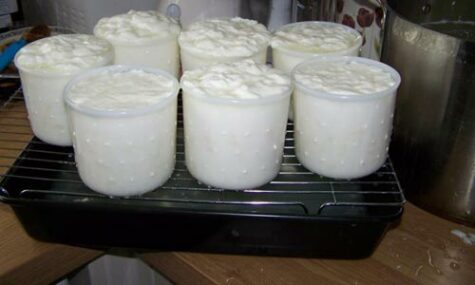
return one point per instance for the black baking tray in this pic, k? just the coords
(297, 214)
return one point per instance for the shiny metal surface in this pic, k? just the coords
(271, 13)
(433, 143)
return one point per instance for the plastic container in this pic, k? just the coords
(286, 58)
(157, 51)
(343, 136)
(223, 40)
(43, 89)
(124, 152)
(234, 142)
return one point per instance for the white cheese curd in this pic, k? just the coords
(343, 115)
(63, 54)
(120, 91)
(145, 38)
(235, 117)
(316, 37)
(239, 80)
(136, 26)
(345, 78)
(223, 40)
(45, 66)
(123, 124)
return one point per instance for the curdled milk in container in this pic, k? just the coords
(123, 123)
(343, 115)
(235, 118)
(223, 40)
(293, 43)
(144, 38)
(45, 67)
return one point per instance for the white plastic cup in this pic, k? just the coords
(223, 40)
(127, 152)
(142, 38)
(234, 143)
(343, 136)
(286, 58)
(43, 88)
(159, 52)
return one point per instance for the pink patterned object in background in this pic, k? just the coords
(366, 17)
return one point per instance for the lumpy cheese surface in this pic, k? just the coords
(120, 90)
(344, 77)
(225, 37)
(136, 26)
(238, 80)
(316, 37)
(64, 54)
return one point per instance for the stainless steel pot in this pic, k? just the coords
(432, 45)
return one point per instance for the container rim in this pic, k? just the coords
(355, 47)
(210, 54)
(122, 113)
(142, 41)
(236, 101)
(106, 58)
(199, 54)
(349, 98)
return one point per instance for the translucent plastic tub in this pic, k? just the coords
(142, 38)
(223, 40)
(343, 136)
(45, 67)
(124, 151)
(234, 142)
(158, 52)
(286, 56)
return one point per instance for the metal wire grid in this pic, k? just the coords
(36, 170)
